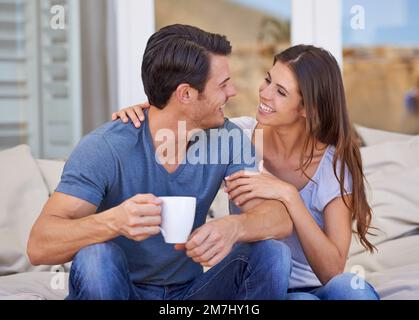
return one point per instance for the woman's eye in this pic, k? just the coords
(267, 80)
(281, 93)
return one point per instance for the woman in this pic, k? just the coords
(313, 165)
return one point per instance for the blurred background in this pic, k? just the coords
(66, 65)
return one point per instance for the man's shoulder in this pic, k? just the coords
(110, 138)
(114, 133)
(230, 125)
(116, 129)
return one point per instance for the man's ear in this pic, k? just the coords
(186, 94)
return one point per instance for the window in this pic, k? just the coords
(257, 30)
(55, 72)
(39, 77)
(381, 62)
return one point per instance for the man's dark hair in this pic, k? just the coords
(179, 54)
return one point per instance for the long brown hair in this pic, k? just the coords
(321, 87)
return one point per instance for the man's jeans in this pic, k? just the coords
(254, 271)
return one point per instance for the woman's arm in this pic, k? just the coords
(326, 251)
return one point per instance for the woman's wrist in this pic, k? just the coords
(290, 196)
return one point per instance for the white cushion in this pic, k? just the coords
(394, 270)
(21, 200)
(34, 286)
(391, 254)
(400, 283)
(373, 136)
(392, 172)
(219, 206)
(390, 157)
(51, 172)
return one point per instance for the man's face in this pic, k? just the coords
(208, 111)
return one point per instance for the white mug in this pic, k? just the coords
(178, 215)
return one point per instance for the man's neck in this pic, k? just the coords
(166, 119)
(170, 132)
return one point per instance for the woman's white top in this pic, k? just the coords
(316, 195)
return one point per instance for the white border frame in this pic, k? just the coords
(75, 72)
(318, 22)
(135, 23)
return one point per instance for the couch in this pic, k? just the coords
(391, 163)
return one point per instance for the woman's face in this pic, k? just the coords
(280, 99)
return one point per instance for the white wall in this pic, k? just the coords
(318, 22)
(135, 23)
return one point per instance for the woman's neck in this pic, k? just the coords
(286, 141)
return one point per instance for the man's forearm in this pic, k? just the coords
(65, 237)
(267, 220)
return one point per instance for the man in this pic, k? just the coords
(105, 213)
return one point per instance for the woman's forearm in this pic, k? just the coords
(321, 253)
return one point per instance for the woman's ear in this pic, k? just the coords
(185, 94)
(303, 111)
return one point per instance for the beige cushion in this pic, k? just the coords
(400, 283)
(21, 200)
(394, 270)
(219, 206)
(51, 172)
(391, 157)
(34, 286)
(392, 171)
(373, 136)
(391, 254)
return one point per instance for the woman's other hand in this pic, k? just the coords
(244, 186)
(134, 113)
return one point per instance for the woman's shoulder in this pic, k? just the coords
(245, 123)
(327, 185)
(326, 167)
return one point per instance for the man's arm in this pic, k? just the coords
(259, 220)
(68, 224)
(263, 219)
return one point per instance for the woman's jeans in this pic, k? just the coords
(346, 286)
(254, 271)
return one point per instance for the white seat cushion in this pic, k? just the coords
(34, 286)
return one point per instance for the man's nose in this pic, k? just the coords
(232, 91)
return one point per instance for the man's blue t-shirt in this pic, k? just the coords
(117, 162)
